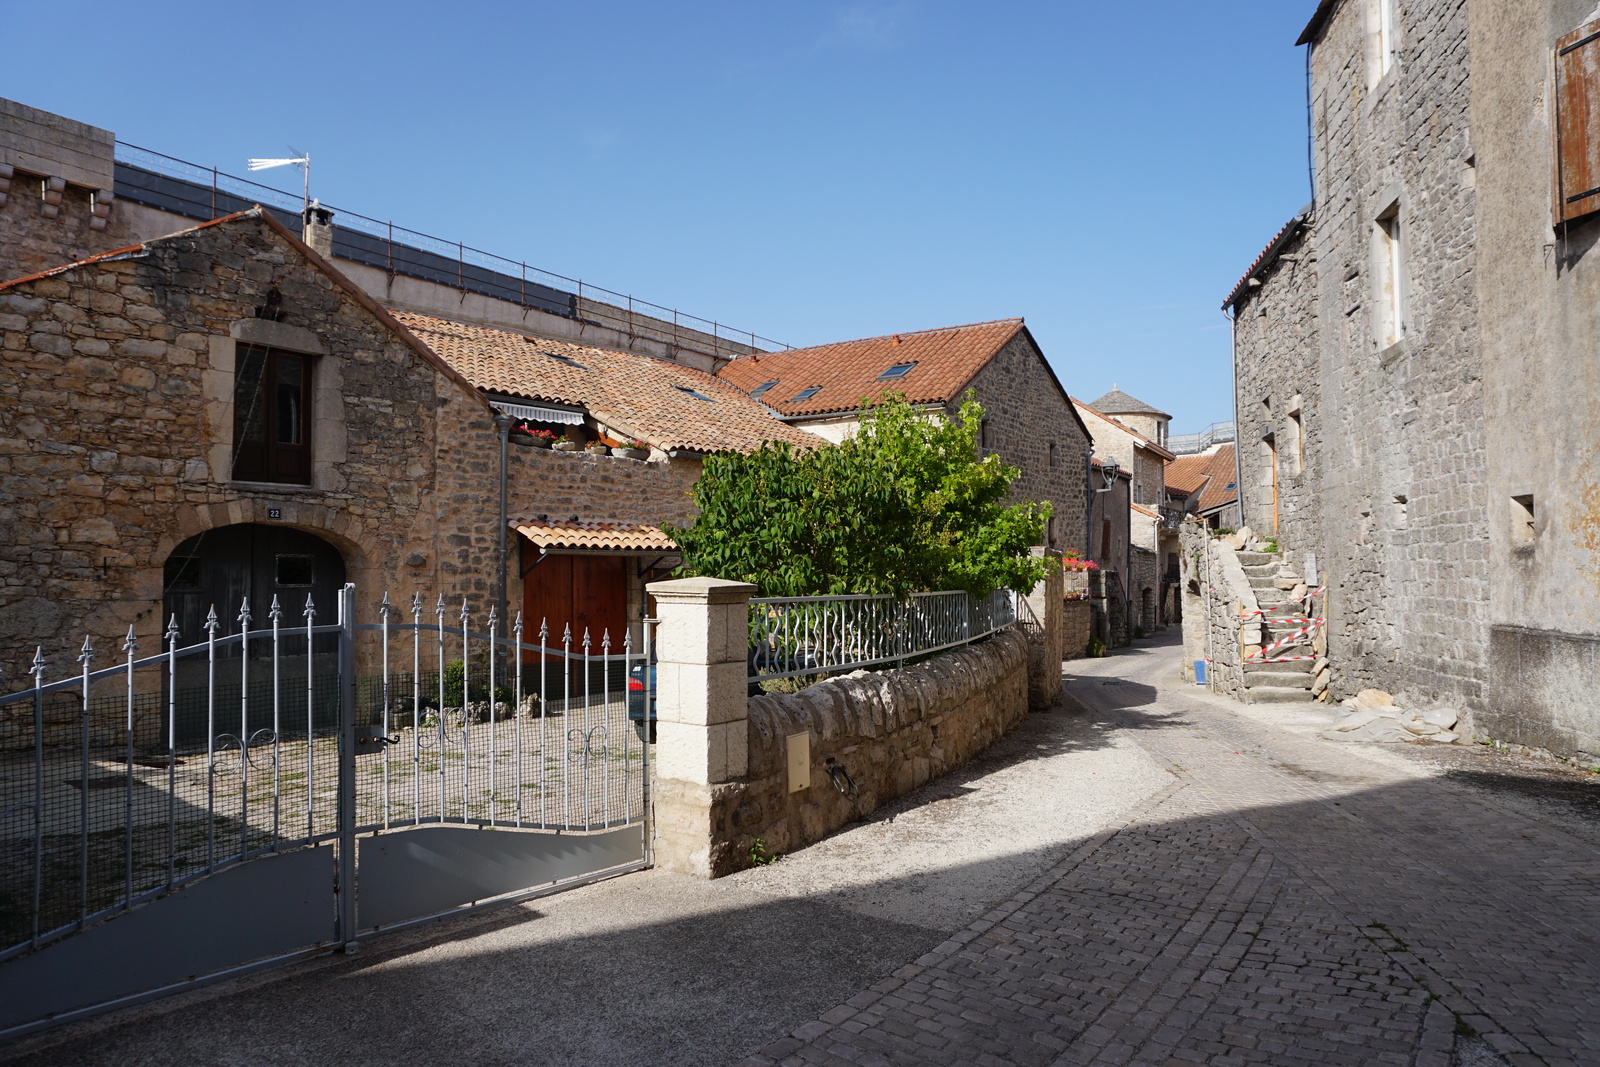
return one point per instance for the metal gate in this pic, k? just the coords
(423, 769)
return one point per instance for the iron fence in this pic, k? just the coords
(186, 188)
(792, 637)
(124, 783)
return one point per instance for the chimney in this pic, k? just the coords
(318, 228)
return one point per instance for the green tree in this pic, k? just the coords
(904, 506)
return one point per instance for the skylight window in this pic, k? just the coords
(805, 394)
(761, 389)
(697, 394)
(896, 372)
(568, 360)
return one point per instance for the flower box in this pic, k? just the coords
(565, 445)
(631, 453)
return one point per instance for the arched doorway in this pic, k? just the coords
(217, 570)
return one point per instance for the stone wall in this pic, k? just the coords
(889, 732)
(115, 439)
(1026, 411)
(1392, 499)
(1077, 626)
(1220, 620)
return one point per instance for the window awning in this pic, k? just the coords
(596, 536)
(537, 413)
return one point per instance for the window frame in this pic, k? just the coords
(266, 459)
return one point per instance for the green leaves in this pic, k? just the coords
(904, 506)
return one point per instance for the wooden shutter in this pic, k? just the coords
(1578, 123)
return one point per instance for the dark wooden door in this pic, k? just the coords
(586, 592)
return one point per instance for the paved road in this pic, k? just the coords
(1286, 900)
(1155, 877)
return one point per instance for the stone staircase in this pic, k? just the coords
(1278, 587)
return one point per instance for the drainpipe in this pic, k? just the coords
(502, 423)
(1232, 315)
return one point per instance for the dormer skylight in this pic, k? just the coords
(761, 389)
(896, 372)
(805, 394)
(697, 394)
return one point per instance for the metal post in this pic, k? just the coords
(172, 748)
(85, 657)
(38, 787)
(347, 768)
(129, 645)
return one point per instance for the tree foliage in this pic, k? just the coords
(904, 506)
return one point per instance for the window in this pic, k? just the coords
(294, 571)
(1297, 437)
(805, 394)
(896, 372)
(1577, 125)
(1522, 519)
(1050, 530)
(697, 394)
(180, 574)
(759, 391)
(1055, 458)
(271, 416)
(983, 434)
(1390, 256)
(1138, 494)
(1105, 539)
(1385, 38)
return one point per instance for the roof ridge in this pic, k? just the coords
(1017, 320)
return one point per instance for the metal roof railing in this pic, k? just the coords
(185, 188)
(1189, 443)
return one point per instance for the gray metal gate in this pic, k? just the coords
(421, 769)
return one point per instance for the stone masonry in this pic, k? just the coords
(115, 442)
(1389, 494)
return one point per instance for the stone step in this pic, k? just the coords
(1260, 570)
(1294, 666)
(1277, 679)
(1277, 695)
(1257, 559)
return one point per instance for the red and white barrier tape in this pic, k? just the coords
(1286, 641)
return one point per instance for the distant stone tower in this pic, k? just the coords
(1134, 414)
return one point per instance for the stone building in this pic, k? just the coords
(1029, 421)
(1111, 550)
(1131, 438)
(1413, 406)
(1205, 485)
(216, 414)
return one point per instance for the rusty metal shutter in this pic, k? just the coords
(1578, 123)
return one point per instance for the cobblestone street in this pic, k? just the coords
(1149, 875)
(1286, 900)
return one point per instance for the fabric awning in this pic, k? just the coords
(536, 413)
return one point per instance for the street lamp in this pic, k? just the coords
(1108, 471)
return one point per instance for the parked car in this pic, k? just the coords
(638, 688)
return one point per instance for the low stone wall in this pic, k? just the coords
(886, 732)
(1077, 626)
(1220, 623)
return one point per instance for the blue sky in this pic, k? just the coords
(810, 171)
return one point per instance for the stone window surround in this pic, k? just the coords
(328, 438)
(1388, 249)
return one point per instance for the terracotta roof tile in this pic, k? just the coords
(942, 362)
(1215, 472)
(642, 396)
(1291, 229)
(614, 536)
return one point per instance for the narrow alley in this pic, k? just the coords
(1147, 875)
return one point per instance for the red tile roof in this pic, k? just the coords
(641, 396)
(943, 362)
(615, 536)
(1215, 472)
(1291, 229)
